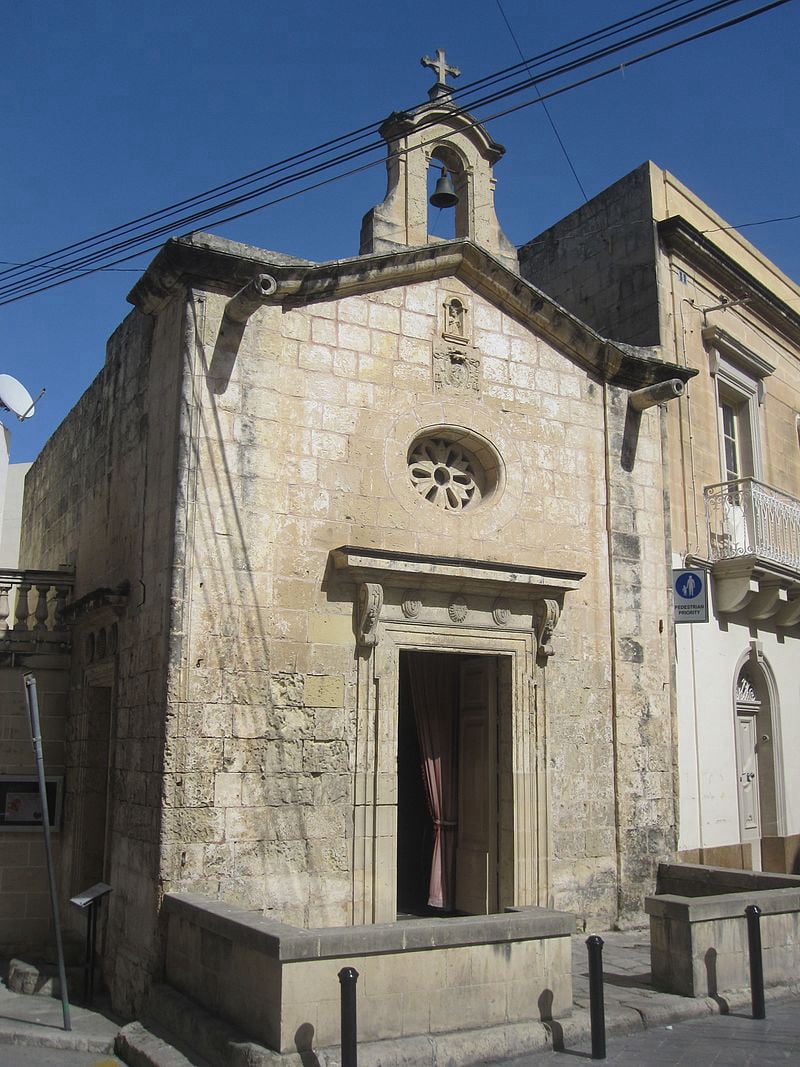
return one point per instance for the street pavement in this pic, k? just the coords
(644, 1026)
(31, 1056)
(734, 1040)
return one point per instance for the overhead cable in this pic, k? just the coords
(86, 263)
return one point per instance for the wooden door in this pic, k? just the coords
(476, 853)
(747, 767)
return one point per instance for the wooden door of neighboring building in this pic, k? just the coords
(747, 767)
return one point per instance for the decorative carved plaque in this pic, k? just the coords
(457, 609)
(457, 371)
(411, 605)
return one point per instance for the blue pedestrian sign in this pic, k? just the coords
(690, 595)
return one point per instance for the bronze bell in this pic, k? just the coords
(444, 195)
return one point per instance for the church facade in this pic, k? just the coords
(372, 610)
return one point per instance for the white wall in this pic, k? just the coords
(708, 655)
(12, 486)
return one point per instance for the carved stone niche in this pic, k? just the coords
(442, 591)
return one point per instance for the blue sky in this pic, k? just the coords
(115, 110)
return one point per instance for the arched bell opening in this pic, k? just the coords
(446, 224)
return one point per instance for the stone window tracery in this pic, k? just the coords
(444, 473)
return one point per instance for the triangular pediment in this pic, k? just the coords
(205, 259)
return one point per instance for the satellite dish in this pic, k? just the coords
(14, 397)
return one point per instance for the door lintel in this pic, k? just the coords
(446, 590)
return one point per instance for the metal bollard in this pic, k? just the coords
(753, 913)
(597, 1011)
(348, 976)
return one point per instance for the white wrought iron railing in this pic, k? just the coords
(749, 518)
(33, 600)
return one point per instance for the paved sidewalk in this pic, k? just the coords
(734, 1040)
(31, 1021)
(633, 1008)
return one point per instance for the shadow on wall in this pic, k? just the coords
(304, 1043)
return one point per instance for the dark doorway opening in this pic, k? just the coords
(450, 750)
(414, 825)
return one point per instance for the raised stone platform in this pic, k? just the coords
(279, 983)
(698, 929)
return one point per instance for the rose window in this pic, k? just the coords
(444, 473)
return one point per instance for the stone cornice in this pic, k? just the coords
(207, 261)
(450, 572)
(714, 337)
(679, 235)
(398, 587)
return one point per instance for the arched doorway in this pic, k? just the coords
(755, 758)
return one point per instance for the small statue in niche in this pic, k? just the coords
(455, 320)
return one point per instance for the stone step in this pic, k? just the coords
(138, 1046)
(196, 1033)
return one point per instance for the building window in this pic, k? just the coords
(740, 376)
(736, 428)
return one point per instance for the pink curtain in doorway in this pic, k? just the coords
(434, 691)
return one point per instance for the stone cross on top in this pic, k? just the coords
(441, 88)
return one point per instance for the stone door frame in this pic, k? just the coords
(375, 846)
(439, 604)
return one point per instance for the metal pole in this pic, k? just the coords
(93, 940)
(753, 913)
(348, 976)
(596, 1004)
(36, 737)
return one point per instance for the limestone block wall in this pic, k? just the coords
(292, 450)
(699, 940)
(102, 496)
(642, 629)
(600, 261)
(432, 976)
(24, 897)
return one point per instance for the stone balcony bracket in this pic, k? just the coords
(750, 585)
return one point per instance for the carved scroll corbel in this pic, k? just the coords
(370, 604)
(545, 620)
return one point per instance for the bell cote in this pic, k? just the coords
(441, 135)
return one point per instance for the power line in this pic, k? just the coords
(545, 107)
(92, 252)
(361, 132)
(84, 265)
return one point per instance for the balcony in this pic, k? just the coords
(32, 605)
(754, 548)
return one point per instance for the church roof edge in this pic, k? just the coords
(202, 259)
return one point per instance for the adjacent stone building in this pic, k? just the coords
(648, 263)
(372, 607)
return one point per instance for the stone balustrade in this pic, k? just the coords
(32, 602)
